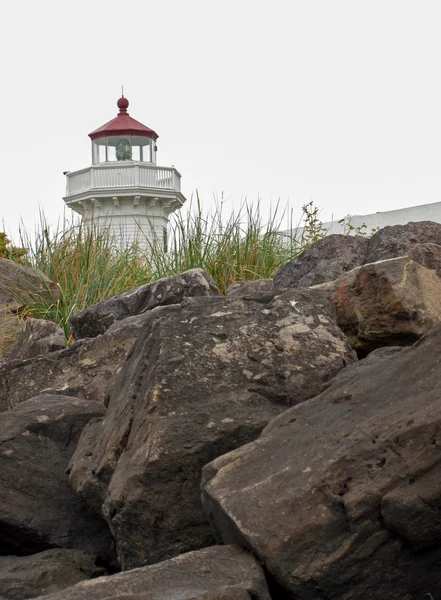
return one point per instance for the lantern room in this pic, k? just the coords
(123, 139)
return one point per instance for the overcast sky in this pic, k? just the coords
(338, 101)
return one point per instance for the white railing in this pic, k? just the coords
(101, 177)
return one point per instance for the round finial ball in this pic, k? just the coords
(123, 103)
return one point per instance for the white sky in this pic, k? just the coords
(338, 101)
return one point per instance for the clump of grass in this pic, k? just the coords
(89, 266)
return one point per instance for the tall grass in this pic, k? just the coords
(89, 266)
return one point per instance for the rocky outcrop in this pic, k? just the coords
(38, 508)
(323, 261)
(86, 369)
(47, 572)
(213, 573)
(202, 378)
(389, 302)
(171, 290)
(339, 497)
(395, 241)
(38, 337)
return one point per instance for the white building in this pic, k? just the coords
(367, 224)
(124, 191)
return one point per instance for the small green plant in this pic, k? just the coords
(313, 229)
(350, 229)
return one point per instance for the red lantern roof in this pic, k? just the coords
(123, 124)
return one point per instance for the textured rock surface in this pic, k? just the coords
(340, 496)
(19, 284)
(324, 261)
(47, 572)
(391, 242)
(38, 508)
(39, 337)
(171, 290)
(385, 303)
(239, 289)
(220, 569)
(86, 369)
(203, 377)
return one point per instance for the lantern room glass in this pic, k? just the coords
(123, 148)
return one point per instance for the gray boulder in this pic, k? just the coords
(19, 285)
(38, 337)
(38, 508)
(217, 573)
(339, 498)
(391, 242)
(324, 260)
(203, 377)
(86, 369)
(47, 572)
(171, 290)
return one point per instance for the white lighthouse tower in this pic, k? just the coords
(124, 191)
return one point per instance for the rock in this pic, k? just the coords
(324, 260)
(212, 573)
(24, 577)
(202, 378)
(239, 289)
(171, 290)
(395, 241)
(39, 337)
(38, 508)
(339, 498)
(11, 327)
(86, 369)
(19, 285)
(390, 302)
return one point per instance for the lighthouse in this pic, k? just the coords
(123, 191)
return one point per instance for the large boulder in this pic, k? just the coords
(86, 369)
(340, 497)
(203, 377)
(38, 508)
(394, 241)
(389, 302)
(220, 572)
(324, 260)
(38, 337)
(23, 577)
(20, 285)
(96, 319)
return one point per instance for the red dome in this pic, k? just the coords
(123, 124)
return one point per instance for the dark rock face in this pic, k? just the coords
(391, 242)
(339, 497)
(39, 337)
(203, 378)
(323, 261)
(38, 508)
(239, 289)
(215, 573)
(47, 572)
(86, 369)
(171, 290)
